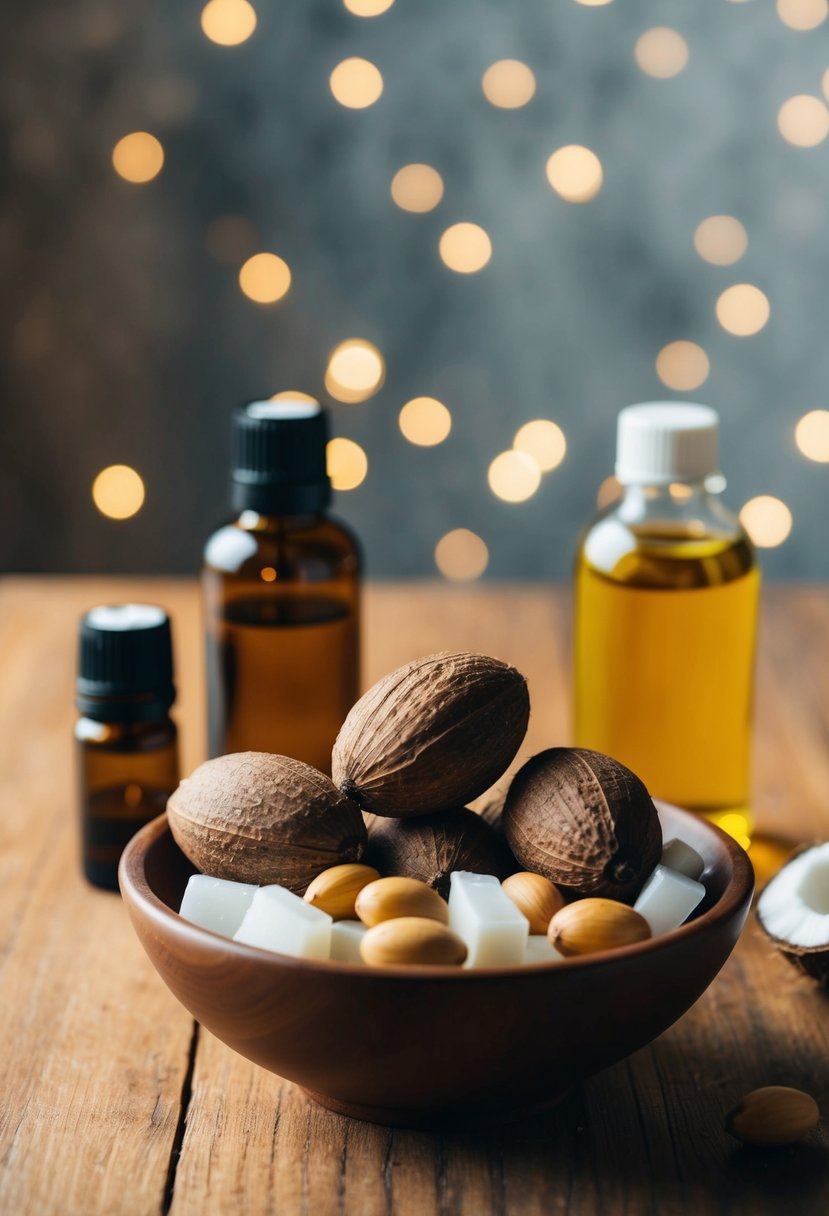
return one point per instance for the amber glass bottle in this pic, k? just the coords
(281, 586)
(125, 741)
(666, 598)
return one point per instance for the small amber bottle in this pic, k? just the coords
(126, 743)
(281, 591)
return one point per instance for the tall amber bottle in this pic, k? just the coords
(666, 598)
(281, 593)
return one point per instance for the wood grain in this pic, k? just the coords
(94, 1052)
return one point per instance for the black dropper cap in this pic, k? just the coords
(279, 458)
(125, 664)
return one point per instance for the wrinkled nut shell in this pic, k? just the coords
(391, 898)
(335, 889)
(535, 897)
(773, 1115)
(591, 925)
(412, 941)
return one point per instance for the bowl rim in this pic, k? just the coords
(136, 891)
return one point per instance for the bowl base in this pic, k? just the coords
(449, 1118)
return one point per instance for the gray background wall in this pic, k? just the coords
(124, 341)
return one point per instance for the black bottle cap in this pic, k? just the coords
(125, 664)
(279, 458)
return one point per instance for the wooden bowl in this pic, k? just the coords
(421, 1046)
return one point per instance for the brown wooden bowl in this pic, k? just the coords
(420, 1046)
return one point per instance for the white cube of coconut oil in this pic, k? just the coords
(668, 899)
(679, 856)
(216, 903)
(484, 916)
(280, 921)
(346, 936)
(539, 950)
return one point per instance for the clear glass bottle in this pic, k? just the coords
(126, 743)
(666, 603)
(281, 594)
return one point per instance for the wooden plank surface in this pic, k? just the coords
(96, 1096)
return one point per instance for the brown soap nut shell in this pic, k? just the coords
(335, 889)
(584, 821)
(412, 941)
(772, 1116)
(432, 735)
(591, 925)
(391, 898)
(261, 818)
(535, 897)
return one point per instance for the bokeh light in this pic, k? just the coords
(291, 394)
(721, 240)
(514, 476)
(265, 278)
(743, 309)
(346, 462)
(803, 120)
(824, 84)
(465, 248)
(228, 22)
(138, 157)
(461, 556)
(682, 366)
(368, 8)
(767, 520)
(593, 3)
(610, 491)
(356, 370)
(812, 435)
(417, 188)
(575, 173)
(508, 84)
(356, 83)
(118, 491)
(803, 14)
(425, 421)
(661, 52)
(543, 441)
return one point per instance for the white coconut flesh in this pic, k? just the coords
(794, 907)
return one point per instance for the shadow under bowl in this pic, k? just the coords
(432, 1045)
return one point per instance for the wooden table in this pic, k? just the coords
(112, 1102)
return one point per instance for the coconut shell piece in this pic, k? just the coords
(432, 735)
(256, 817)
(430, 847)
(793, 911)
(585, 822)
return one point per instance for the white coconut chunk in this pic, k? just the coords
(795, 905)
(678, 855)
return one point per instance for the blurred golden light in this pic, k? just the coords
(721, 240)
(575, 173)
(267, 574)
(508, 84)
(368, 8)
(138, 157)
(803, 14)
(356, 83)
(417, 188)
(228, 22)
(118, 491)
(610, 491)
(803, 120)
(767, 520)
(543, 441)
(347, 463)
(824, 84)
(812, 435)
(231, 238)
(461, 556)
(514, 476)
(734, 823)
(743, 309)
(682, 366)
(593, 3)
(356, 370)
(661, 52)
(265, 278)
(425, 421)
(465, 248)
(290, 394)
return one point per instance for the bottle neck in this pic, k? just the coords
(258, 521)
(689, 504)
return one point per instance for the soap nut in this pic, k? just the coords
(412, 941)
(390, 898)
(590, 925)
(773, 1115)
(535, 897)
(335, 889)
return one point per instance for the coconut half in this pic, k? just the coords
(794, 911)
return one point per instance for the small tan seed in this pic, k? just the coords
(412, 941)
(535, 897)
(390, 898)
(773, 1115)
(335, 889)
(590, 925)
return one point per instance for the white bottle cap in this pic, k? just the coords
(663, 441)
